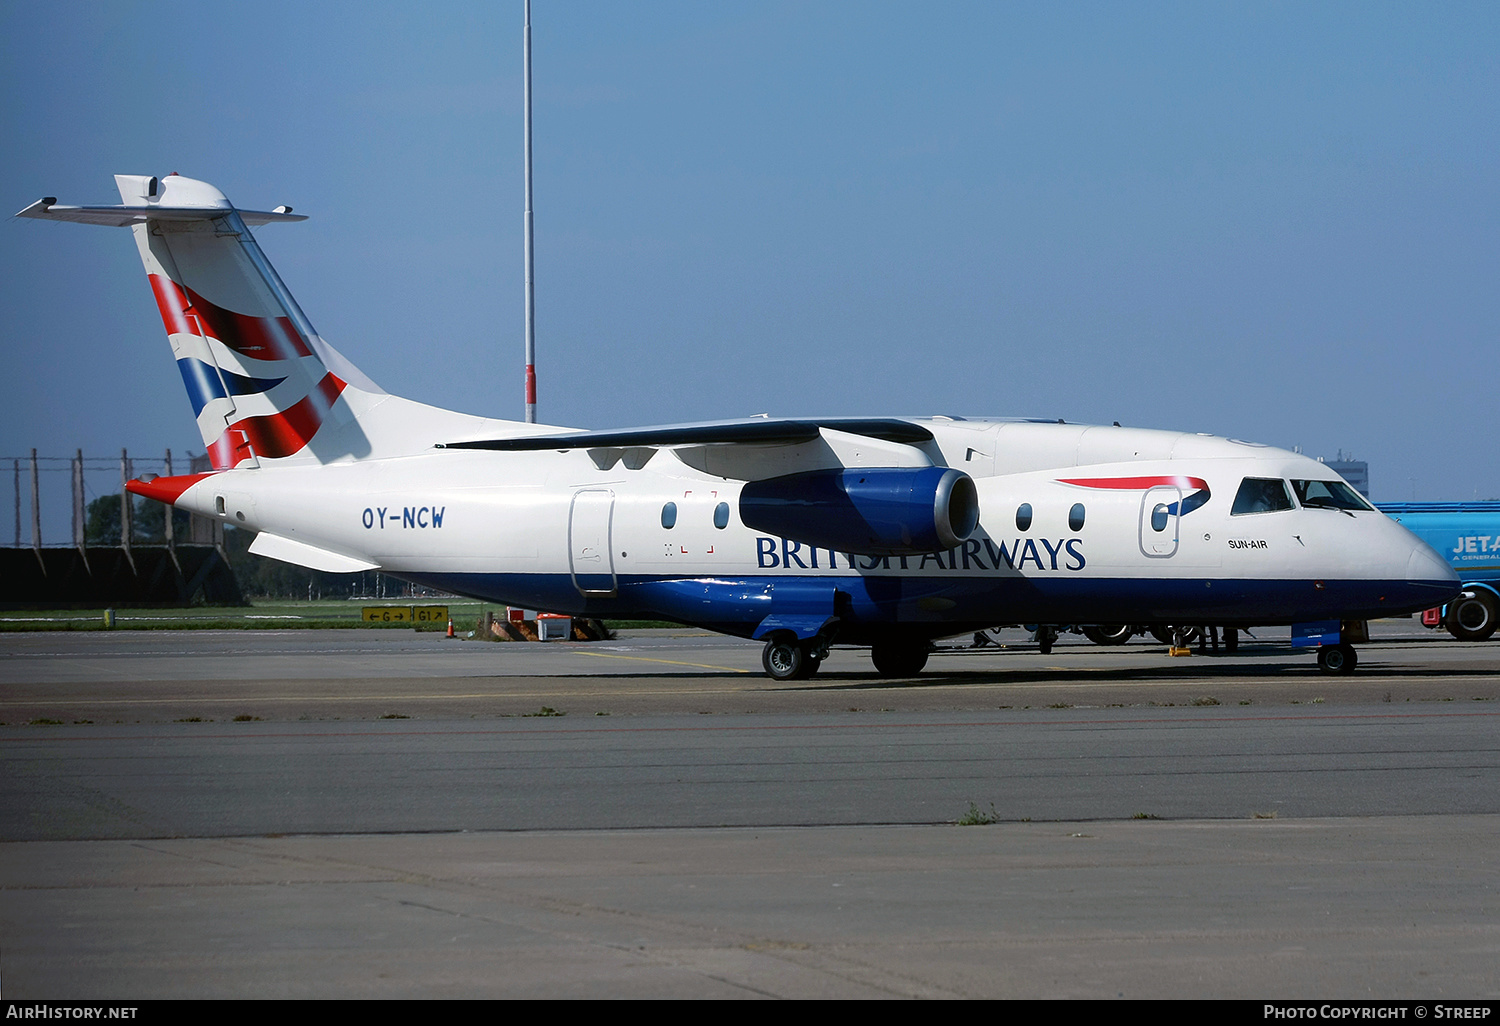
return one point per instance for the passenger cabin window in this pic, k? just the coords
(669, 515)
(1075, 517)
(1260, 495)
(1023, 517)
(1328, 495)
(721, 515)
(1159, 514)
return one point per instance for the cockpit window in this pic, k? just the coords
(1260, 495)
(1328, 495)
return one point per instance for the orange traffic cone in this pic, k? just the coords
(450, 626)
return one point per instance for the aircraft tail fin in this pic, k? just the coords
(263, 384)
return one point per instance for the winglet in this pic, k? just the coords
(39, 208)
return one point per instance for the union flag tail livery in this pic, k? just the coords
(886, 531)
(260, 380)
(265, 388)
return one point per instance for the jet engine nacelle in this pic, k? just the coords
(880, 511)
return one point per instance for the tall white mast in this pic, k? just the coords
(530, 270)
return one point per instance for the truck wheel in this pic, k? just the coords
(1109, 635)
(1164, 634)
(1340, 659)
(1472, 619)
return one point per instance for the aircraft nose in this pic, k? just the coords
(1428, 567)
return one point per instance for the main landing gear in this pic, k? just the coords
(900, 657)
(1046, 637)
(789, 659)
(1339, 659)
(786, 658)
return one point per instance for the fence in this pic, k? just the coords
(149, 561)
(35, 484)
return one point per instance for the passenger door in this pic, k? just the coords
(589, 542)
(1161, 509)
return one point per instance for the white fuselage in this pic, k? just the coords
(552, 530)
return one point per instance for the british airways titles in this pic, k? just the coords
(974, 554)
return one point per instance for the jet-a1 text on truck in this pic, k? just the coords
(1467, 534)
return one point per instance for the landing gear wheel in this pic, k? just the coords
(1109, 635)
(1046, 637)
(1164, 634)
(1231, 639)
(899, 658)
(783, 660)
(1340, 659)
(811, 663)
(1472, 619)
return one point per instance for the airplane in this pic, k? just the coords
(887, 532)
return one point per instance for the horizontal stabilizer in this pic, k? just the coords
(758, 431)
(120, 216)
(274, 546)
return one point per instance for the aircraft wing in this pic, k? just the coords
(744, 450)
(757, 431)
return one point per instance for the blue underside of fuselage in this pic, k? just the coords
(870, 607)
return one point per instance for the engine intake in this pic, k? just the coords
(880, 511)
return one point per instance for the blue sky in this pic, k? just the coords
(1269, 221)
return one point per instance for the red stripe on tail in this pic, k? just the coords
(183, 311)
(277, 434)
(165, 489)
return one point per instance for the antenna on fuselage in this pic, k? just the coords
(530, 263)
